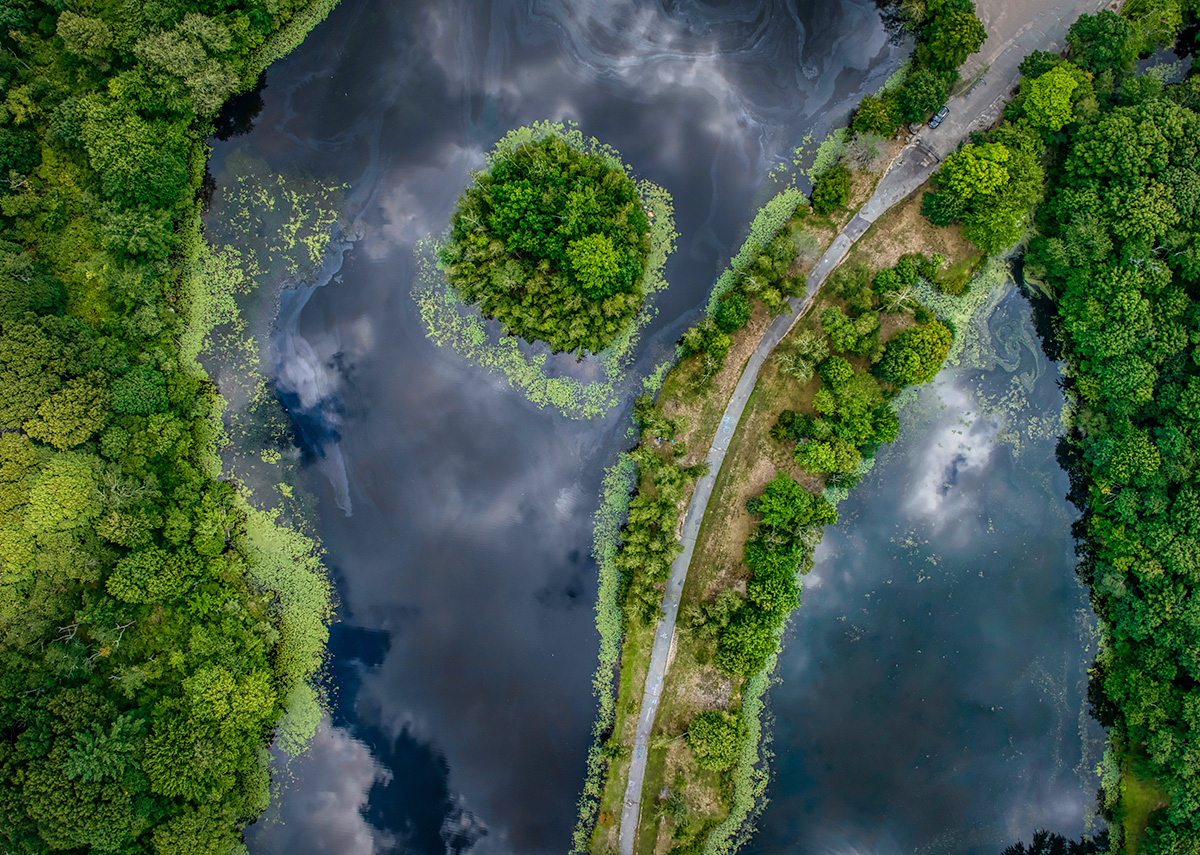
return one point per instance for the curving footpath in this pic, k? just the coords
(976, 109)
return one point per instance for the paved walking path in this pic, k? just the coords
(975, 110)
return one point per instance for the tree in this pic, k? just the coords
(203, 830)
(65, 494)
(835, 454)
(923, 93)
(916, 355)
(831, 190)
(149, 576)
(73, 414)
(784, 504)
(733, 311)
(36, 356)
(875, 116)
(836, 372)
(745, 644)
(102, 753)
(954, 34)
(976, 170)
(715, 737)
(1039, 62)
(1102, 42)
(86, 37)
(595, 263)
(776, 594)
(1048, 98)
(140, 392)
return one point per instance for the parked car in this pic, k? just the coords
(939, 117)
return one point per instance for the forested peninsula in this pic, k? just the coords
(154, 627)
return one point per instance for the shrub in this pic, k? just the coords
(836, 372)
(832, 190)
(715, 737)
(733, 311)
(916, 355)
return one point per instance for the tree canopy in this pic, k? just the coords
(552, 242)
(1116, 248)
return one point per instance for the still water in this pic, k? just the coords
(932, 694)
(456, 515)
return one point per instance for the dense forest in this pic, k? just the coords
(148, 642)
(551, 241)
(1116, 251)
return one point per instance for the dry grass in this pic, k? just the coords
(903, 230)
(697, 411)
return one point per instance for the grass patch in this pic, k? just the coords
(1140, 797)
(902, 230)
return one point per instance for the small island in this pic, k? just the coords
(552, 241)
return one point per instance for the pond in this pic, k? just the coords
(457, 515)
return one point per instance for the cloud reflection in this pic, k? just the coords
(950, 449)
(325, 815)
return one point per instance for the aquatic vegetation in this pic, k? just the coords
(766, 224)
(615, 493)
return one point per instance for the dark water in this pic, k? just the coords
(463, 661)
(933, 687)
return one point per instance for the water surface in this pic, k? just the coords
(932, 694)
(457, 516)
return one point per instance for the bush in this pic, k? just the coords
(876, 116)
(832, 190)
(745, 644)
(733, 311)
(916, 355)
(836, 372)
(715, 738)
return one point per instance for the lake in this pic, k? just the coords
(457, 516)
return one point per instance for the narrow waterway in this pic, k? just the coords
(456, 515)
(932, 694)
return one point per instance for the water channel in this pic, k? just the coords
(457, 516)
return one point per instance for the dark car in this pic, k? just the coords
(939, 116)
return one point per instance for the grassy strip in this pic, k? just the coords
(607, 763)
